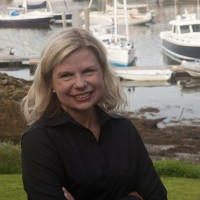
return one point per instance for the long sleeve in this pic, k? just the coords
(41, 167)
(149, 184)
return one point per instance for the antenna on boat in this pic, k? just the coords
(175, 9)
(197, 9)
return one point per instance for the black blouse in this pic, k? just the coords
(60, 152)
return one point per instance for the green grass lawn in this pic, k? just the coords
(182, 188)
(178, 188)
(11, 187)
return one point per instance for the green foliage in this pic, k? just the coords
(177, 169)
(10, 158)
(10, 163)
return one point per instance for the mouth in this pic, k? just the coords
(82, 96)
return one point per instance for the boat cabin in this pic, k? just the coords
(184, 25)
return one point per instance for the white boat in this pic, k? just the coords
(136, 13)
(121, 51)
(136, 74)
(25, 15)
(192, 67)
(182, 42)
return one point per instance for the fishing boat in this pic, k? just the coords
(25, 15)
(182, 42)
(121, 51)
(192, 67)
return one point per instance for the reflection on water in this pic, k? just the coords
(172, 102)
(191, 85)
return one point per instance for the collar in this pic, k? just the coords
(63, 118)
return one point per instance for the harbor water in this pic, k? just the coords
(174, 101)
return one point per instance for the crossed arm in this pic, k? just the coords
(68, 196)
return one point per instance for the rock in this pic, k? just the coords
(12, 90)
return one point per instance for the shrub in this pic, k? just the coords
(10, 158)
(177, 169)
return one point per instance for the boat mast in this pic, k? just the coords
(90, 3)
(49, 6)
(197, 9)
(126, 18)
(24, 5)
(115, 21)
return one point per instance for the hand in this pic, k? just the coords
(67, 195)
(136, 194)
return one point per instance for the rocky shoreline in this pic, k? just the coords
(171, 142)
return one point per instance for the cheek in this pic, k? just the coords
(100, 84)
(62, 88)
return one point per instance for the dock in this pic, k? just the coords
(8, 59)
(131, 73)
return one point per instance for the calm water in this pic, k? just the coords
(175, 103)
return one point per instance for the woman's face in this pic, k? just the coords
(78, 81)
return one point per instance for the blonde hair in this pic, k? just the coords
(41, 100)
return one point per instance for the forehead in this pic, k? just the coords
(81, 55)
(78, 59)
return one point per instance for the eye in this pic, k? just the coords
(66, 75)
(90, 71)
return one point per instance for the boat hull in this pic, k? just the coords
(25, 23)
(32, 19)
(121, 57)
(181, 52)
(144, 74)
(192, 68)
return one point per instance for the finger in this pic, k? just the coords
(67, 195)
(136, 194)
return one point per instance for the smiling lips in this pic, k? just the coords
(82, 97)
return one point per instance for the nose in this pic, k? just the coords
(80, 82)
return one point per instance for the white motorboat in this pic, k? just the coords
(26, 15)
(192, 67)
(135, 74)
(182, 42)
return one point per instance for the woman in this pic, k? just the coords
(75, 147)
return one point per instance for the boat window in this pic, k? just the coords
(185, 29)
(196, 28)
